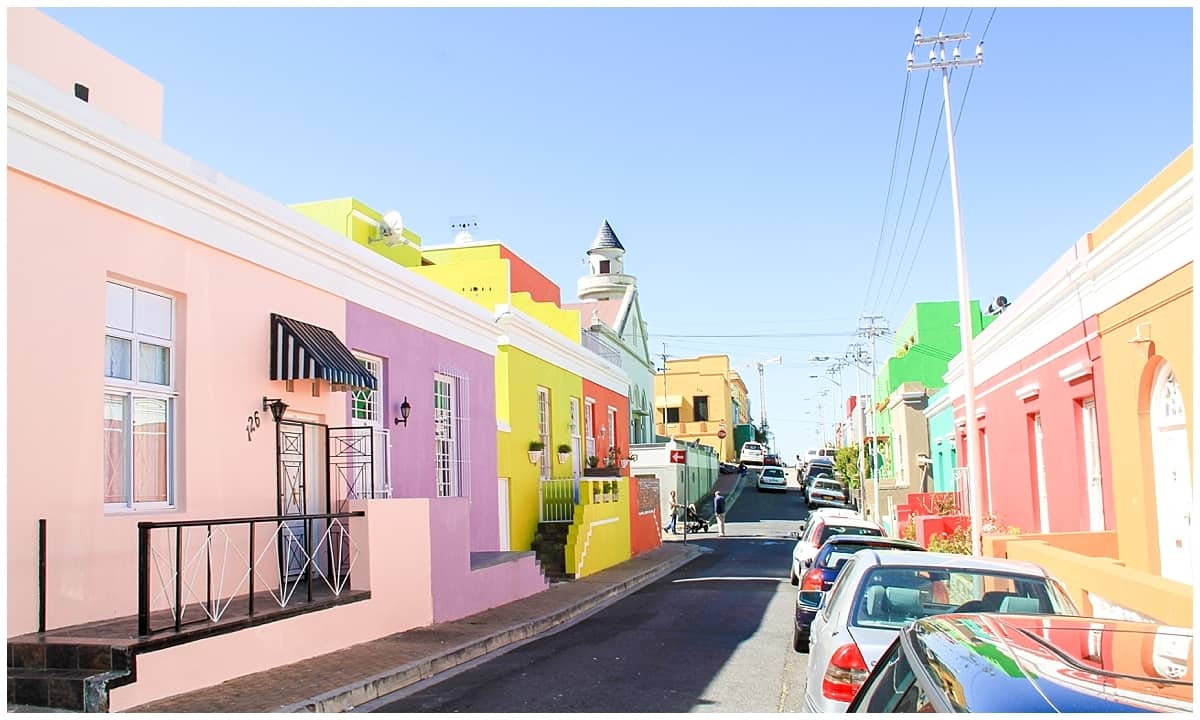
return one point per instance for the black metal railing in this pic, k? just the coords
(299, 557)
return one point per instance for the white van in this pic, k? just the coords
(819, 452)
(753, 452)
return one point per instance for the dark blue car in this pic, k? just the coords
(825, 568)
(1007, 664)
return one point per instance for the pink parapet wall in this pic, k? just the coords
(394, 562)
(63, 58)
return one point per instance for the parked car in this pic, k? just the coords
(814, 453)
(752, 453)
(880, 591)
(825, 491)
(1019, 664)
(821, 467)
(772, 459)
(819, 530)
(824, 570)
(772, 478)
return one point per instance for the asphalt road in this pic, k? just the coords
(714, 636)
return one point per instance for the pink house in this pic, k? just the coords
(199, 454)
(1041, 406)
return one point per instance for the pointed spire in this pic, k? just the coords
(606, 238)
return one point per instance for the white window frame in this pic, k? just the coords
(543, 420)
(612, 426)
(1091, 463)
(445, 440)
(133, 389)
(589, 426)
(372, 399)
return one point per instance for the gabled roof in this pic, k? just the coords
(606, 309)
(606, 239)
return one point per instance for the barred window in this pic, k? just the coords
(543, 398)
(451, 437)
(364, 404)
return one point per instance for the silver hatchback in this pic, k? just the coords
(880, 591)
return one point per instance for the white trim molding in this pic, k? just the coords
(1027, 391)
(525, 333)
(980, 413)
(1075, 371)
(77, 147)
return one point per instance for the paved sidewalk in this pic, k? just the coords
(359, 674)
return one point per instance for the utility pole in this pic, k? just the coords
(938, 61)
(876, 326)
(762, 391)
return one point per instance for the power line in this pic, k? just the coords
(891, 182)
(942, 178)
(907, 175)
(937, 127)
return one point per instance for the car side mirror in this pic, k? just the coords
(802, 526)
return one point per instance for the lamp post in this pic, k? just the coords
(937, 62)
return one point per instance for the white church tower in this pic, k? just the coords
(606, 279)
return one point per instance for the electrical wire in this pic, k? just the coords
(891, 179)
(942, 178)
(907, 173)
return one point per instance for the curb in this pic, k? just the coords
(387, 682)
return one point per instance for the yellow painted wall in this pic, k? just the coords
(1128, 374)
(1142, 199)
(516, 404)
(599, 536)
(337, 215)
(481, 280)
(465, 253)
(706, 375)
(563, 322)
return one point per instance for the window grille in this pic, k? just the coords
(543, 399)
(452, 447)
(365, 404)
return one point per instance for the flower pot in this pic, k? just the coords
(563, 458)
(625, 463)
(535, 456)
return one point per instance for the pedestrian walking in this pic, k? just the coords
(719, 510)
(674, 513)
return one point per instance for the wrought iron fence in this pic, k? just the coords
(594, 342)
(206, 564)
(556, 500)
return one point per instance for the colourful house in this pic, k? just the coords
(1083, 387)
(943, 449)
(701, 399)
(229, 429)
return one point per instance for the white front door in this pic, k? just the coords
(502, 504)
(576, 441)
(1091, 464)
(1040, 459)
(1172, 477)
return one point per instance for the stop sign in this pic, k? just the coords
(721, 434)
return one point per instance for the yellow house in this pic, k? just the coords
(699, 399)
(382, 232)
(546, 382)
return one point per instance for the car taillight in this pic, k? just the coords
(846, 673)
(813, 581)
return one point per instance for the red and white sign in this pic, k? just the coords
(679, 456)
(721, 434)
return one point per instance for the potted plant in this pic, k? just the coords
(593, 462)
(564, 454)
(535, 451)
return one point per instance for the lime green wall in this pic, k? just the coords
(481, 280)
(337, 215)
(599, 536)
(465, 253)
(516, 404)
(564, 322)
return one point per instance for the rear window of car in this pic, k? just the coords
(832, 529)
(834, 555)
(773, 472)
(823, 485)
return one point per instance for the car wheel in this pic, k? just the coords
(799, 641)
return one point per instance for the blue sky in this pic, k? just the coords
(742, 156)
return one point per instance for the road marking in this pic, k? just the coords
(734, 577)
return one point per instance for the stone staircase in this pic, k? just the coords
(66, 676)
(550, 546)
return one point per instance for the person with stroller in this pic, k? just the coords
(675, 508)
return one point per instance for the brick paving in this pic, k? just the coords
(364, 672)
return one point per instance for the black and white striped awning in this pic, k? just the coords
(301, 351)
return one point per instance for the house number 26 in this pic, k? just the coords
(252, 423)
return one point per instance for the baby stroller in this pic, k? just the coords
(696, 523)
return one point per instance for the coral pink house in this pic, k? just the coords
(182, 303)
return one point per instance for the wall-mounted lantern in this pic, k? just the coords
(405, 409)
(276, 406)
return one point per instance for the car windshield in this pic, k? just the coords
(894, 596)
(830, 530)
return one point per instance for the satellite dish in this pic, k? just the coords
(1001, 301)
(394, 222)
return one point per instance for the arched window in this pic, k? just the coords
(1172, 475)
